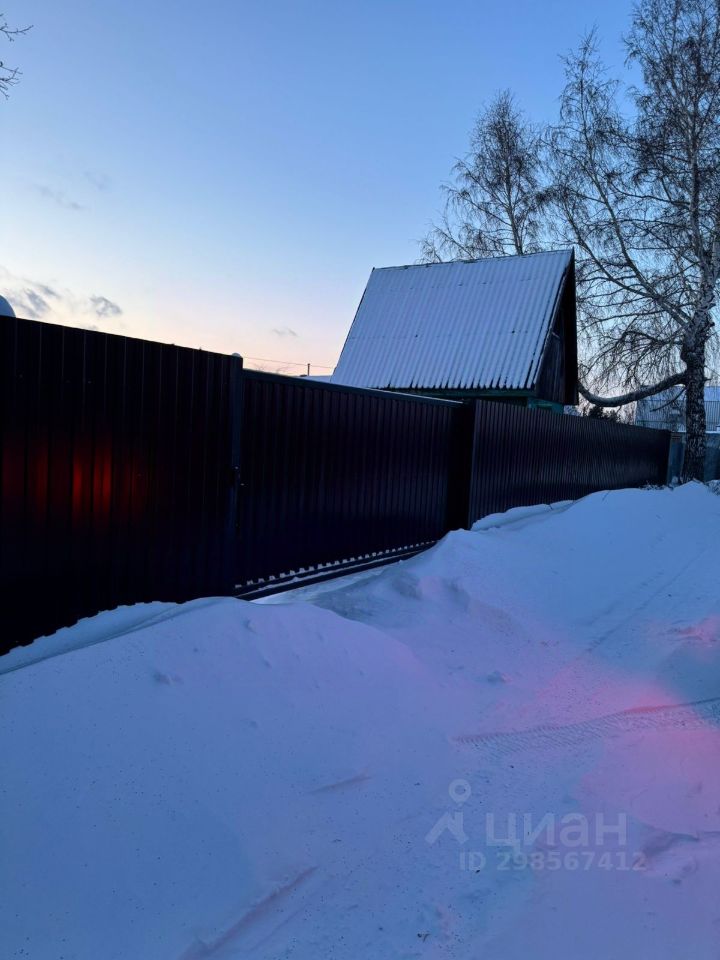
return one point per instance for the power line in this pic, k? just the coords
(289, 363)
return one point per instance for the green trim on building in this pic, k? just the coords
(511, 396)
(535, 404)
(519, 398)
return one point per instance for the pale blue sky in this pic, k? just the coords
(227, 173)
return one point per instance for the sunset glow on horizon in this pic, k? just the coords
(227, 178)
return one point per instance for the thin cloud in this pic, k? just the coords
(36, 300)
(101, 181)
(57, 196)
(105, 308)
(31, 304)
(283, 332)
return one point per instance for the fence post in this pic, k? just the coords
(461, 465)
(232, 520)
(676, 455)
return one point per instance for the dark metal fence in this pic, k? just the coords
(116, 462)
(134, 471)
(333, 473)
(524, 456)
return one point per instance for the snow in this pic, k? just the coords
(461, 324)
(312, 777)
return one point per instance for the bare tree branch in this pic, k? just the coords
(630, 176)
(637, 190)
(494, 204)
(633, 395)
(9, 76)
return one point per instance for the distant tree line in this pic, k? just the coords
(629, 174)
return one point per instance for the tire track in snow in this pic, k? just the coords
(688, 716)
(647, 599)
(266, 909)
(355, 781)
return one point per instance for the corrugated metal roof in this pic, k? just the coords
(666, 410)
(459, 325)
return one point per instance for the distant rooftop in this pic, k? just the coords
(5, 309)
(461, 325)
(666, 410)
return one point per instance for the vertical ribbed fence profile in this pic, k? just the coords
(115, 461)
(338, 474)
(133, 471)
(523, 457)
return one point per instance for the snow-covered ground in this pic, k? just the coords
(507, 747)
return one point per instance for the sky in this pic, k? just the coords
(225, 175)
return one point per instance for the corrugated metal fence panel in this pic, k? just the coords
(116, 474)
(331, 473)
(522, 457)
(133, 471)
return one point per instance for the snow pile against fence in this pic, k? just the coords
(330, 775)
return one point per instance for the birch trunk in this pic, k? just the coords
(694, 463)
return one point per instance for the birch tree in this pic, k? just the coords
(493, 204)
(636, 189)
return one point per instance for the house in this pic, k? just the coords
(666, 410)
(502, 328)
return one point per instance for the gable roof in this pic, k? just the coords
(462, 325)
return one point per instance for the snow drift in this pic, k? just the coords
(361, 769)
